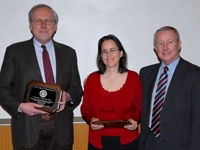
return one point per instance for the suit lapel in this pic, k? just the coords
(176, 80)
(30, 55)
(151, 76)
(59, 63)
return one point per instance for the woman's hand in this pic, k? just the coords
(132, 126)
(95, 126)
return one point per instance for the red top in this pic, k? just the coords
(122, 104)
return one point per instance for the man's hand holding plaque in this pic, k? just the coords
(47, 95)
(63, 102)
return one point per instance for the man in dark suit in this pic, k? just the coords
(32, 128)
(170, 112)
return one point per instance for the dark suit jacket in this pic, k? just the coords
(20, 67)
(180, 117)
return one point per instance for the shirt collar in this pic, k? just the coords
(172, 66)
(38, 44)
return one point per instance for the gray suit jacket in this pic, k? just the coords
(20, 67)
(180, 117)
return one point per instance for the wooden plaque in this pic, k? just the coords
(112, 123)
(45, 94)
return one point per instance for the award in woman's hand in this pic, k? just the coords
(47, 95)
(112, 123)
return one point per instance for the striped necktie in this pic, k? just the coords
(47, 66)
(158, 102)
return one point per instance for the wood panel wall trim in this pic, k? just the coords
(80, 137)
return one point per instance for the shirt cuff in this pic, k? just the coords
(70, 102)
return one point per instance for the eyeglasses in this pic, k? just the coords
(112, 51)
(40, 21)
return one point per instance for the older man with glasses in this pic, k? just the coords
(44, 60)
